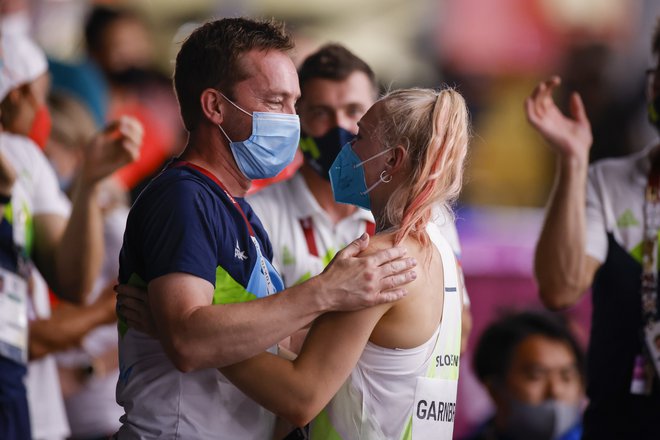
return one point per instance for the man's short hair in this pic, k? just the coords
(334, 62)
(99, 20)
(210, 58)
(496, 347)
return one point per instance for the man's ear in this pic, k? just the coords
(212, 104)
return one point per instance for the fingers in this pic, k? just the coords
(397, 280)
(540, 101)
(397, 266)
(390, 296)
(127, 291)
(577, 108)
(132, 133)
(356, 246)
(387, 255)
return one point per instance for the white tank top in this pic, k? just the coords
(403, 393)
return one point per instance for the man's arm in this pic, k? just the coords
(563, 269)
(198, 335)
(69, 254)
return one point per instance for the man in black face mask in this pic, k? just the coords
(601, 230)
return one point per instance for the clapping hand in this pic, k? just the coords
(117, 145)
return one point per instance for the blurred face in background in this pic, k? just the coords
(126, 44)
(543, 368)
(541, 394)
(327, 103)
(22, 105)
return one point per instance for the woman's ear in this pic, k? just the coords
(397, 159)
(212, 105)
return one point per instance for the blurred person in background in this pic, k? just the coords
(36, 226)
(533, 368)
(601, 230)
(89, 366)
(118, 40)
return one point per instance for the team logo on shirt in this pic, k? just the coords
(627, 220)
(238, 253)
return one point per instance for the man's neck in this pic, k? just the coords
(212, 154)
(322, 192)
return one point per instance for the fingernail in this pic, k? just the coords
(413, 275)
(364, 236)
(412, 261)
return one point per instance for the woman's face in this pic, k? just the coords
(367, 144)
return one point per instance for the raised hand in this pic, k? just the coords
(117, 145)
(570, 136)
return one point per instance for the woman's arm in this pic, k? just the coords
(298, 390)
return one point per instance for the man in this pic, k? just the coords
(593, 235)
(203, 255)
(305, 224)
(532, 367)
(36, 226)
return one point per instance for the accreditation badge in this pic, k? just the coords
(13, 317)
(652, 334)
(434, 409)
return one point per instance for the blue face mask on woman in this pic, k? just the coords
(271, 146)
(347, 178)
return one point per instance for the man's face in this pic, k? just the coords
(328, 103)
(543, 368)
(271, 86)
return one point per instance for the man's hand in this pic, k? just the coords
(117, 145)
(352, 282)
(133, 307)
(569, 136)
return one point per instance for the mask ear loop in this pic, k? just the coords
(380, 180)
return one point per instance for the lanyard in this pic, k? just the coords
(262, 261)
(211, 176)
(307, 225)
(649, 292)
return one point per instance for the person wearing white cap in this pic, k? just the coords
(36, 225)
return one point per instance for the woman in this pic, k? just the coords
(389, 371)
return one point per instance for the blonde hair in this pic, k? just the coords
(433, 126)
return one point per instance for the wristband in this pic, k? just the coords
(5, 199)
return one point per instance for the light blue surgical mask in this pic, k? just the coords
(271, 146)
(347, 178)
